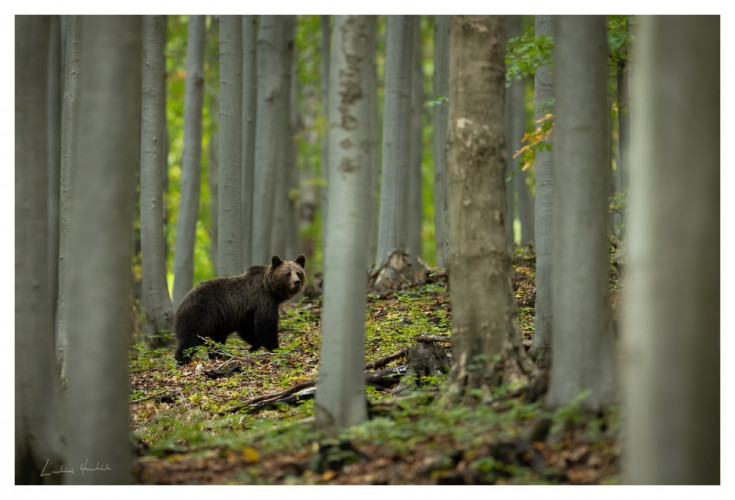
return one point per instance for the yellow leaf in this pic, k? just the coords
(544, 118)
(250, 454)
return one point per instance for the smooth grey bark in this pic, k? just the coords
(212, 178)
(340, 398)
(229, 233)
(325, 27)
(371, 91)
(281, 229)
(157, 303)
(104, 201)
(582, 343)
(540, 349)
(38, 398)
(249, 35)
(415, 184)
(54, 89)
(69, 114)
(485, 332)
(393, 220)
(291, 164)
(191, 161)
(671, 329)
(273, 91)
(212, 171)
(440, 112)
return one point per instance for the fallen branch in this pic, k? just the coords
(386, 359)
(386, 378)
(146, 398)
(283, 394)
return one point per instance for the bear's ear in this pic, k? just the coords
(301, 260)
(276, 261)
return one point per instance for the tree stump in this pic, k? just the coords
(426, 359)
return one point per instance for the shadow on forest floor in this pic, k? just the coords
(203, 424)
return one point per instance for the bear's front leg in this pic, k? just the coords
(265, 330)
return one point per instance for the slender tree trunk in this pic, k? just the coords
(274, 70)
(55, 76)
(393, 223)
(293, 180)
(415, 182)
(485, 332)
(540, 349)
(249, 82)
(440, 116)
(671, 330)
(212, 172)
(104, 201)
(229, 234)
(38, 413)
(156, 300)
(69, 114)
(325, 28)
(212, 178)
(281, 203)
(582, 343)
(340, 399)
(371, 90)
(191, 161)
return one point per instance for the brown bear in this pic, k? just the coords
(247, 304)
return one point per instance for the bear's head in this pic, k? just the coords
(286, 277)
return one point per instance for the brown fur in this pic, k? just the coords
(247, 303)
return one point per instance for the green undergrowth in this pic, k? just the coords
(190, 428)
(186, 409)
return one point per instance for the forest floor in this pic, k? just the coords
(207, 423)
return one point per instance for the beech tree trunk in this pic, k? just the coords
(104, 201)
(540, 349)
(340, 397)
(69, 114)
(583, 345)
(284, 220)
(274, 71)
(671, 332)
(54, 89)
(39, 415)
(325, 27)
(440, 112)
(393, 221)
(415, 182)
(156, 300)
(191, 161)
(486, 339)
(229, 180)
(249, 36)
(371, 89)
